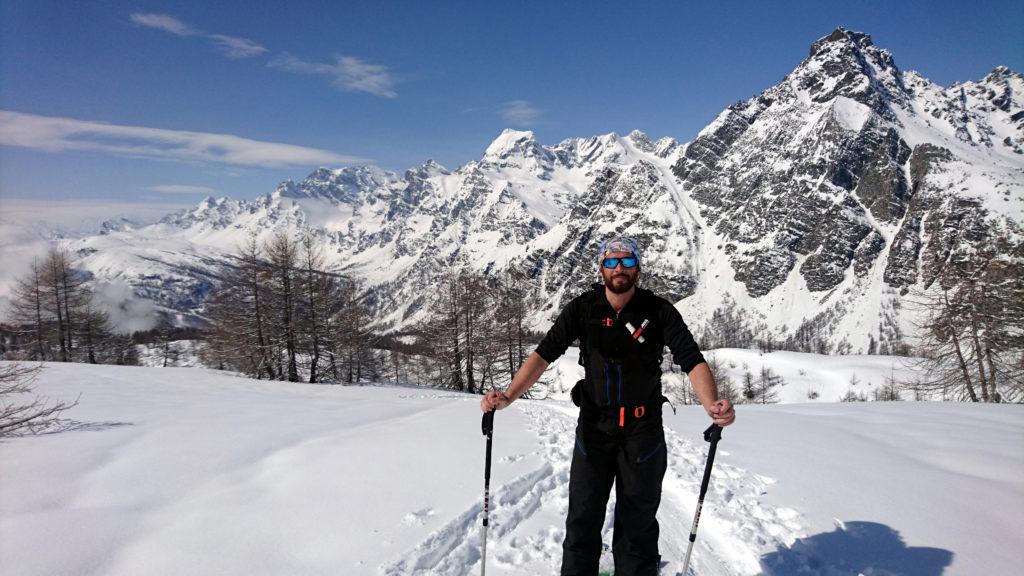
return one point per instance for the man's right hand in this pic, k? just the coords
(494, 399)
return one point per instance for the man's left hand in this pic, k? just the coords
(722, 413)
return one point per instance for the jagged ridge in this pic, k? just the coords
(825, 196)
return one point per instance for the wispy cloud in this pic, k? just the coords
(520, 113)
(231, 46)
(163, 22)
(236, 48)
(180, 189)
(127, 311)
(347, 73)
(55, 134)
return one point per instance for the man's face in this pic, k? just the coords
(620, 280)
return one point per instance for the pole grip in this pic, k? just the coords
(487, 463)
(487, 425)
(713, 434)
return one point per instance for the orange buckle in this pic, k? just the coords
(622, 416)
(638, 412)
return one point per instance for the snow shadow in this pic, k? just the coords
(65, 425)
(856, 548)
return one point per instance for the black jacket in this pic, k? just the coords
(622, 367)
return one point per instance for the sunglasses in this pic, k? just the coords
(627, 262)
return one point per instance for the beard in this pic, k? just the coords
(620, 282)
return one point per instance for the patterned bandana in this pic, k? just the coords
(619, 244)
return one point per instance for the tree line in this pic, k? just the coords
(476, 335)
(971, 333)
(279, 313)
(54, 316)
(968, 337)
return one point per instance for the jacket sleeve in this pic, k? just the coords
(679, 340)
(562, 333)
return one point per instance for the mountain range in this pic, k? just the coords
(820, 202)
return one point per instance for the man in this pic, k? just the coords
(622, 330)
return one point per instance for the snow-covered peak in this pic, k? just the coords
(578, 152)
(641, 141)
(349, 184)
(287, 189)
(206, 203)
(432, 167)
(987, 112)
(119, 224)
(362, 176)
(429, 169)
(1002, 72)
(666, 147)
(519, 150)
(663, 148)
(1002, 87)
(847, 63)
(210, 204)
(514, 142)
(840, 38)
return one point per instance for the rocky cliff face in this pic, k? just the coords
(816, 203)
(821, 173)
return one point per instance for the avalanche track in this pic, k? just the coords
(527, 514)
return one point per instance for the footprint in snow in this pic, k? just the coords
(418, 518)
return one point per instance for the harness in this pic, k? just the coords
(621, 355)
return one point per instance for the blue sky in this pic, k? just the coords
(169, 101)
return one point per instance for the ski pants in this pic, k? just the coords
(633, 458)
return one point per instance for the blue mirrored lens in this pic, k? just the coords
(611, 263)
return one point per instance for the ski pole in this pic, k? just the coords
(488, 429)
(713, 434)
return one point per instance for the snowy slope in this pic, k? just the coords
(392, 230)
(191, 471)
(826, 378)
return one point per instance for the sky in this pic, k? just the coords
(167, 102)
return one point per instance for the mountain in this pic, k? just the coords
(816, 204)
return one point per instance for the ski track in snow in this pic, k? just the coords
(735, 530)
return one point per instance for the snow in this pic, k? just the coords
(28, 227)
(194, 471)
(521, 197)
(802, 373)
(520, 203)
(508, 141)
(850, 114)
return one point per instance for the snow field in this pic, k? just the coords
(802, 372)
(193, 471)
(190, 471)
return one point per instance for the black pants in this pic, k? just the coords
(634, 459)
